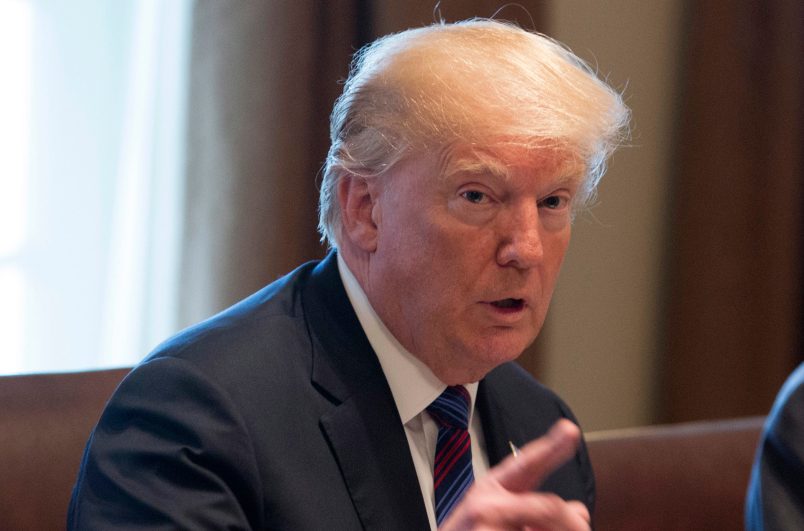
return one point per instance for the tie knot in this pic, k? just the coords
(451, 408)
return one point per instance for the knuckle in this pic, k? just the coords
(553, 506)
(476, 512)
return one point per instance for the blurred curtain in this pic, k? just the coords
(264, 76)
(734, 317)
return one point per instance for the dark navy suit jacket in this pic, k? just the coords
(275, 414)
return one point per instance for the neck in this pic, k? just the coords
(358, 262)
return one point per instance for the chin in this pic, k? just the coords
(484, 359)
(504, 347)
(463, 375)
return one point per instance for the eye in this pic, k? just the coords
(553, 202)
(473, 196)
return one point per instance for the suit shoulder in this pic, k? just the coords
(253, 334)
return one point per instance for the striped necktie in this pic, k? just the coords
(452, 468)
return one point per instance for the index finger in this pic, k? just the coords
(537, 459)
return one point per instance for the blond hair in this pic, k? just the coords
(479, 82)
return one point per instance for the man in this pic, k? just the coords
(374, 390)
(776, 493)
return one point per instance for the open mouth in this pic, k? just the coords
(509, 304)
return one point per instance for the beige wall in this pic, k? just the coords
(601, 340)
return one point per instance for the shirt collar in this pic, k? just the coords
(413, 385)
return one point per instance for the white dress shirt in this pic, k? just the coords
(414, 387)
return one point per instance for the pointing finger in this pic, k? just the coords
(580, 509)
(539, 458)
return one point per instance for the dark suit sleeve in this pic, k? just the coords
(582, 464)
(776, 493)
(169, 452)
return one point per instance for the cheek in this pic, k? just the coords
(412, 262)
(439, 275)
(422, 249)
(466, 249)
(555, 247)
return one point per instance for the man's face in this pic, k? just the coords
(466, 262)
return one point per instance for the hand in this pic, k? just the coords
(503, 498)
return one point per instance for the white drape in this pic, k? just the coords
(88, 253)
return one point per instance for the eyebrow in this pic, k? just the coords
(475, 166)
(499, 170)
(570, 177)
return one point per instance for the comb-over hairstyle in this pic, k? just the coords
(479, 83)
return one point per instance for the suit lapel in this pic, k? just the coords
(376, 465)
(498, 427)
(363, 427)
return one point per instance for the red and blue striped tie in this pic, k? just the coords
(452, 468)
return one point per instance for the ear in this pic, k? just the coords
(358, 201)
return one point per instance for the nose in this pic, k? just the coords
(521, 239)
